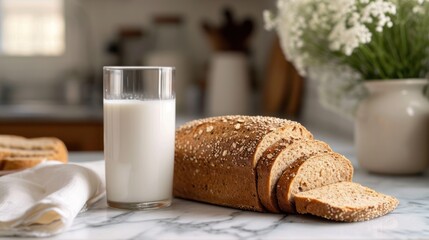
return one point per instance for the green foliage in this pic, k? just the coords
(398, 52)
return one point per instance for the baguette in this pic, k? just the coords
(215, 158)
(18, 152)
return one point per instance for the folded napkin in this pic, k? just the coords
(44, 200)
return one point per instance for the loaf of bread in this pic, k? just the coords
(20, 153)
(260, 164)
(215, 158)
(345, 202)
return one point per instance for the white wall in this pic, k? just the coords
(105, 17)
(37, 74)
(42, 74)
(45, 69)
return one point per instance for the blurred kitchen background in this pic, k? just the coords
(52, 53)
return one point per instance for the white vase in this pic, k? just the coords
(392, 127)
(228, 90)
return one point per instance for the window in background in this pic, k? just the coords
(32, 27)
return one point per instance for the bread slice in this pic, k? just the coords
(16, 163)
(345, 202)
(18, 152)
(215, 158)
(277, 159)
(44, 143)
(314, 172)
(27, 153)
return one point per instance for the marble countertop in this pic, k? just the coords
(192, 220)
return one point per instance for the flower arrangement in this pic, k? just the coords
(342, 43)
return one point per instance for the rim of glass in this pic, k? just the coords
(138, 68)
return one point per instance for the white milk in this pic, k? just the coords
(139, 149)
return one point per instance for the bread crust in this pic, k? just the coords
(272, 160)
(10, 164)
(305, 205)
(19, 153)
(286, 182)
(215, 158)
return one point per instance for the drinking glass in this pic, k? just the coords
(139, 131)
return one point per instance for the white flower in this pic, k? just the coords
(348, 39)
(418, 10)
(270, 22)
(316, 34)
(380, 11)
(340, 22)
(421, 1)
(350, 31)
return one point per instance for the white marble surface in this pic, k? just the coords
(192, 220)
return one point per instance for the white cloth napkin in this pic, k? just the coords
(44, 200)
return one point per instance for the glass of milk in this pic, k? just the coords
(139, 131)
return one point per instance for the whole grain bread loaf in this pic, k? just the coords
(215, 158)
(18, 152)
(345, 202)
(276, 160)
(236, 161)
(306, 174)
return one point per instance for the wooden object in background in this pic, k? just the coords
(294, 92)
(231, 34)
(283, 86)
(77, 136)
(276, 81)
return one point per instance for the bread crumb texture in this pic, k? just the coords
(346, 202)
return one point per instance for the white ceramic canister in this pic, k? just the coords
(228, 89)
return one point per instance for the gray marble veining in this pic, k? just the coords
(192, 220)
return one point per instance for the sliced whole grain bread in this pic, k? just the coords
(28, 153)
(306, 174)
(276, 160)
(215, 158)
(220, 161)
(345, 201)
(17, 163)
(18, 152)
